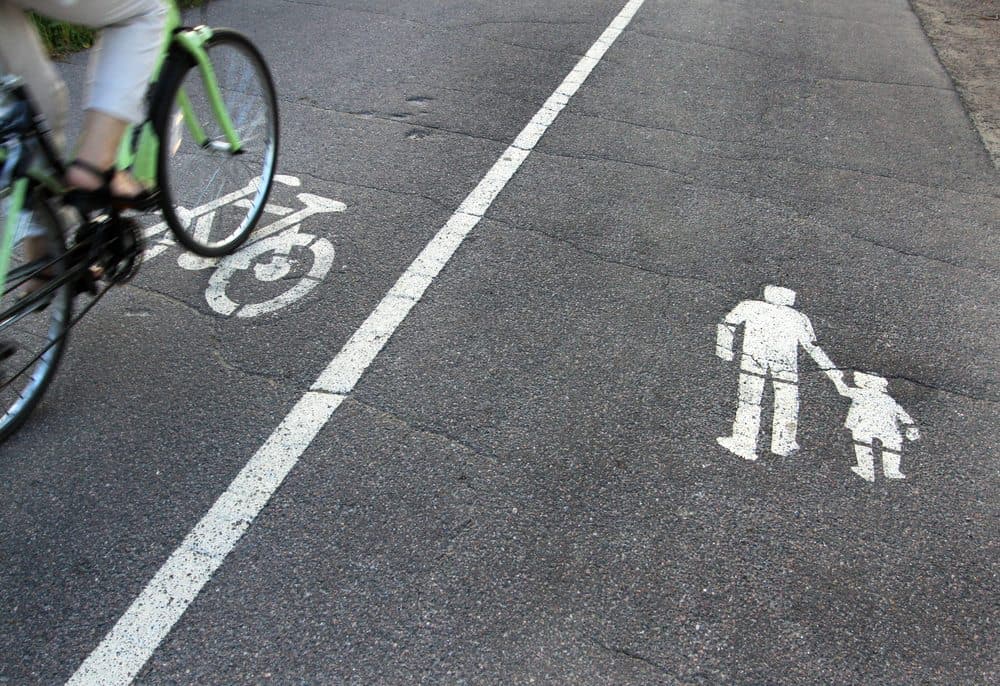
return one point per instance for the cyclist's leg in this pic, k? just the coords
(120, 67)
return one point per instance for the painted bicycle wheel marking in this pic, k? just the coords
(267, 254)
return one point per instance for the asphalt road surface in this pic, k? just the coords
(510, 472)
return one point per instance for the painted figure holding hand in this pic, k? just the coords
(773, 333)
(874, 417)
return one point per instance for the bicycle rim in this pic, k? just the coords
(38, 336)
(212, 198)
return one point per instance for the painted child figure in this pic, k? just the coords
(875, 416)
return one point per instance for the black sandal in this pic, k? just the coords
(101, 198)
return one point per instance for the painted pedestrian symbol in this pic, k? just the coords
(773, 333)
(875, 419)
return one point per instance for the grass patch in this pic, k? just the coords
(61, 38)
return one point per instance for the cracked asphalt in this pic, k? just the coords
(525, 485)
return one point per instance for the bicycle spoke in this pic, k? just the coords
(60, 338)
(33, 324)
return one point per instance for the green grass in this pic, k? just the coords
(61, 38)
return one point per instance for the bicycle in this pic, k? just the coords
(210, 136)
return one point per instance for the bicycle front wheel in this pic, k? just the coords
(32, 328)
(212, 194)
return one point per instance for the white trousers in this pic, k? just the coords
(121, 62)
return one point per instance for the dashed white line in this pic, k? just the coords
(148, 620)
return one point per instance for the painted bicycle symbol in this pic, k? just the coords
(271, 254)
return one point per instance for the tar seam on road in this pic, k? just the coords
(151, 616)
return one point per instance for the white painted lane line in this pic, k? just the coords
(131, 641)
(134, 638)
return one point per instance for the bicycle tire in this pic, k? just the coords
(40, 333)
(193, 176)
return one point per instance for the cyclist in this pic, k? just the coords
(121, 64)
(120, 68)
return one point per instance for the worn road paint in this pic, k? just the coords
(135, 636)
(262, 241)
(277, 268)
(280, 263)
(148, 620)
(875, 419)
(210, 207)
(773, 332)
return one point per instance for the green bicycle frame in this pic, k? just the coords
(136, 152)
(14, 202)
(19, 193)
(142, 157)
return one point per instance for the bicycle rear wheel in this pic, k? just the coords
(212, 197)
(33, 327)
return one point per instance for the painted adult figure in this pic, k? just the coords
(773, 333)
